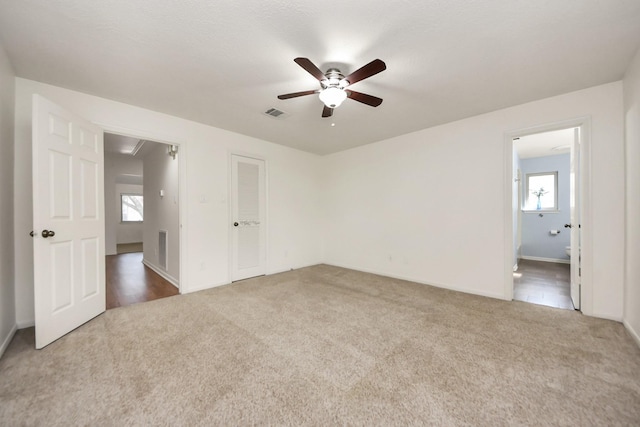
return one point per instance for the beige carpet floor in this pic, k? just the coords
(327, 346)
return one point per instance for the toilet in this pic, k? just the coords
(567, 249)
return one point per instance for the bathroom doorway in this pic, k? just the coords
(546, 206)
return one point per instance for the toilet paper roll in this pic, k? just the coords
(554, 232)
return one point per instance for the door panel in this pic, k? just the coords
(88, 182)
(90, 267)
(59, 177)
(61, 275)
(68, 200)
(248, 246)
(248, 215)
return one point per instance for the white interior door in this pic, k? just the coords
(574, 206)
(248, 217)
(68, 221)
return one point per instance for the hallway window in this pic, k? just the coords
(541, 191)
(132, 207)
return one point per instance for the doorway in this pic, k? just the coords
(543, 163)
(141, 216)
(68, 208)
(547, 191)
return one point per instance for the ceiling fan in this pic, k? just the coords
(333, 85)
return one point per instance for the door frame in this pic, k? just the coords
(518, 237)
(230, 154)
(182, 186)
(584, 123)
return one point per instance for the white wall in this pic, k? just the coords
(632, 135)
(7, 298)
(427, 206)
(115, 166)
(430, 206)
(293, 224)
(161, 213)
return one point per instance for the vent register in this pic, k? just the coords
(274, 112)
(162, 248)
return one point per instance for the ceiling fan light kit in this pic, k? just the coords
(333, 85)
(332, 97)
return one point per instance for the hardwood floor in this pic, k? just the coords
(544, 283)
(129, 281)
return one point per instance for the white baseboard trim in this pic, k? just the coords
(162, 273)
(268, 273)
(423, 282)
(284, 270)
(22, 324)
(556, 260)
(7, 339)
(632, 332)
(606, 316)
(205, 287)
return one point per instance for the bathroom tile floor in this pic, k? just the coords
(544, 283)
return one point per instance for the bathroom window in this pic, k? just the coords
(541, 192)
(131, 208)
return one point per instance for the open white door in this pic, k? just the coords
(574, 207)
(248, 217)
(68, 220)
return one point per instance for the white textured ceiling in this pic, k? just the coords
(544, 144)
(120, 144)
(224, 62)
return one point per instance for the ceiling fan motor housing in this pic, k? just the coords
(334, 78)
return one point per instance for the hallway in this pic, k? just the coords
(129, 281)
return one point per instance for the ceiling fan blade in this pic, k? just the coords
(327, 111)
(372, 68)
(296, 94)
(310, 68)
(371, 100)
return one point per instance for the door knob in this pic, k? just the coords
(48, 233)
(235, 224)
(568, 226)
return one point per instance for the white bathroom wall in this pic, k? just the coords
(537, 241)
(7, 294)
(632, 134)
(161, 212)
(117, 166)
(430, 206)
(294, 204)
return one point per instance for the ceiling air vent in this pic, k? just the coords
(274, 112)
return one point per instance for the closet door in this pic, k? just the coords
(248, 228)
